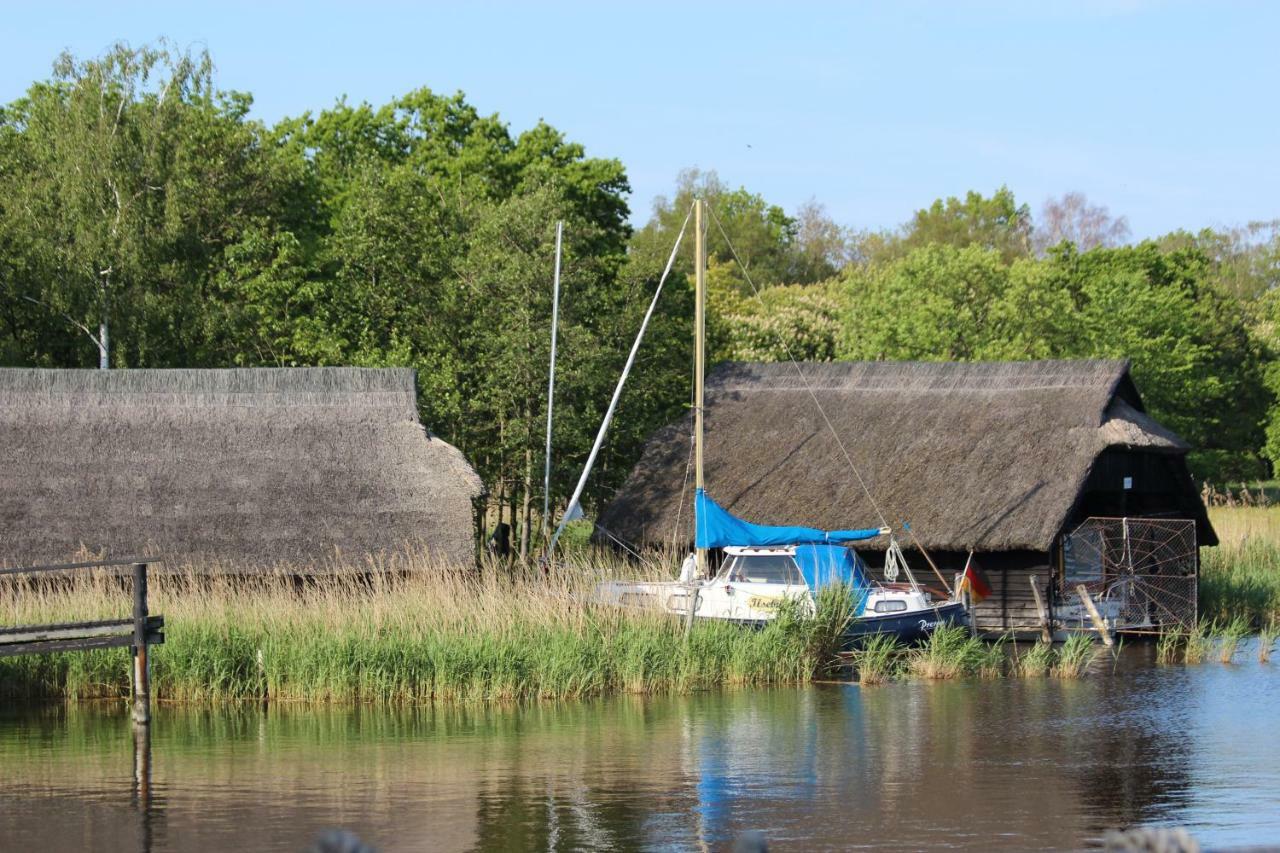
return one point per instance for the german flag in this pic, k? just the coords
(973, 581)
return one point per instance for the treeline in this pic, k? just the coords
(147, 219)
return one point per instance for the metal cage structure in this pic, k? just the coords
(1141, 573)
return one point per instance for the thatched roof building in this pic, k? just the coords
(249, 467)
(988, 457)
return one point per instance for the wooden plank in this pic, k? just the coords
(49, 646)
(1098, 621)
(1046, 631)
(75, 630)
(63, 567)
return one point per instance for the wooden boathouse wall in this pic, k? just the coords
(1011, 605)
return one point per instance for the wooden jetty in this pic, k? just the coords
(138, 632)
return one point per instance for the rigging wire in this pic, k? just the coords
(800, 373)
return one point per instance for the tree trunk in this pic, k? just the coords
(528, 501)
(104, 342)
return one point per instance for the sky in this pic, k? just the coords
(1165, 112)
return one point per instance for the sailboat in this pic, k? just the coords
(761, 566)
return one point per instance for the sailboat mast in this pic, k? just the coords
(699, 363)
(551, 384)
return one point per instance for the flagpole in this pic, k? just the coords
(967, 586)
(551, 385)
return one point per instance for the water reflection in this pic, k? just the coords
(997, 764)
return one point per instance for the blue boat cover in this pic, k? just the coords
(822, 565)
(717, 527)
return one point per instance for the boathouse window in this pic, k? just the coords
(890, 606)
(765, 568)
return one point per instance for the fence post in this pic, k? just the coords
(141, 670)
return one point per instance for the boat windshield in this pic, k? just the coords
(765, 568)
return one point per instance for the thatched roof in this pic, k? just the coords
(250, 467)
(990, 456)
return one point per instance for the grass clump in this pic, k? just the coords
(1170, 645)
(428, 635)
(1267, 640)
(878, 658)
(1198, 644)
(993, 660)
(1036, 662)
(947, 653)
(1074, 656)
(1229, 636)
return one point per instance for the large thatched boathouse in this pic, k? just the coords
(301, 467)
(1048, 469)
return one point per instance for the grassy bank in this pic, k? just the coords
(952, 653)
(1241, 577)
(433, 635)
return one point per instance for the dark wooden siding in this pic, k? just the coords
(1161, 487)
(1011, 606)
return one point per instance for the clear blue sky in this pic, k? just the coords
(1164, 111)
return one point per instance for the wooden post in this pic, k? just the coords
(1046, 630)
(141, 671)
(699, 367)
(1098, 622)
(692, 593)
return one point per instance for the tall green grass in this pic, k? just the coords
(1267, 639)
(1035, 662)
(1229, 635)
(430, 635)
(1198, 644)
(1241, 576)
(1074, 656)
(951, 653)
(878, 658)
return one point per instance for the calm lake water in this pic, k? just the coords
(991, 765)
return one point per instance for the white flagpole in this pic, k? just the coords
(551, 382)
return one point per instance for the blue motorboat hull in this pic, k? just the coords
(906, 627)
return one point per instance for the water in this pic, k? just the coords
(980, 764)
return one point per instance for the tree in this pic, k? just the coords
(1072, 219)
(935, 303)
(773, 247)
(135, 175)
(790, 321)
(1191, 348)
(997, 223)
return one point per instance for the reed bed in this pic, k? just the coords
(1241, 577)
(951, 653)
(431, 635)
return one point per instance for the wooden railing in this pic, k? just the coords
(138, 632)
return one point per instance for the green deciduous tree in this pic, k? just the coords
(1190, 345)
(126, 178)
